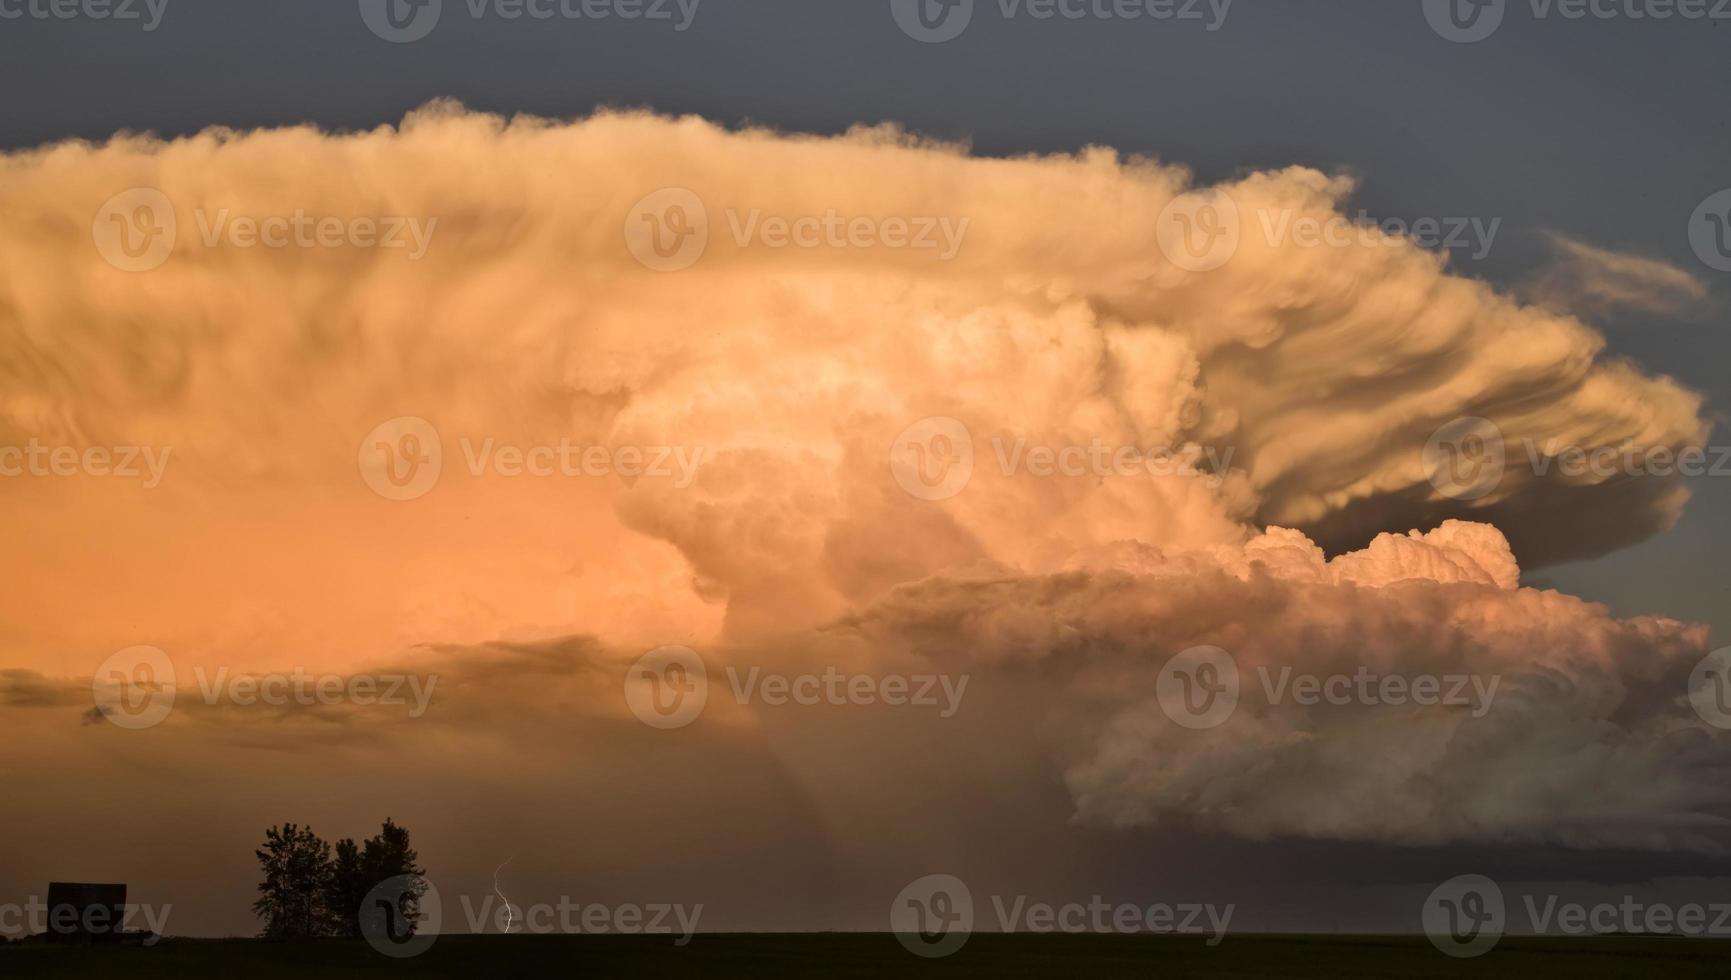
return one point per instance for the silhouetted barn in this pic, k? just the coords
(80, 914)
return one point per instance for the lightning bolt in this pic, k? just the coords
(510, 915)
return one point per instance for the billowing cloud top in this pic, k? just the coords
(911, 402)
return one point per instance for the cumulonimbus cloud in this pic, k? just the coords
(1299, 385)
(1553, 700)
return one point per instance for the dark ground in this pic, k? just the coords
(865, 955)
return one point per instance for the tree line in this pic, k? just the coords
(313, 890)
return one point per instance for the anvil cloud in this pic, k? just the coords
(1058, 321)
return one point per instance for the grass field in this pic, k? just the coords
(864, 955)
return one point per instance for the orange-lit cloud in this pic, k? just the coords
(1295, 386)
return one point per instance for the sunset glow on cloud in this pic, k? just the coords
(1136, 459)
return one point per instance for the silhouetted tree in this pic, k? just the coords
(357, 870)
(297, 872)
(346, 890)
